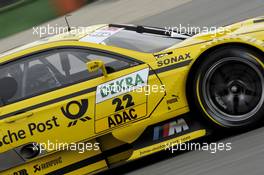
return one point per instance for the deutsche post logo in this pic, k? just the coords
(76, 116)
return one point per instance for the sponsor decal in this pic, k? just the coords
(100, 35)
(32, 129)
(125, 102)
(42, 127)
(46, 165)
(164, 145)
(8, 137)
(21, 172)
(80, 115)
(83, 106)
(175, 59)
(124, 117)
(163, 55)
(169, 129)
(122, 85)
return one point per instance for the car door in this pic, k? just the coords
(126, 97)
(123, 96)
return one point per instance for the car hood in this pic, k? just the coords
(253, 27)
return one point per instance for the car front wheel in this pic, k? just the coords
(228, 87)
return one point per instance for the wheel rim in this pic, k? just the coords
(233, 89)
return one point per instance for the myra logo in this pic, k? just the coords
(170, 129)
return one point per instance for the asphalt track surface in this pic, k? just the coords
(247, 154)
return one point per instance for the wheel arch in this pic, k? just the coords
(212, 49)
(205, 53)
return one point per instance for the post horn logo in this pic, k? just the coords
(80, 115)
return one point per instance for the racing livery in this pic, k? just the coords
(83, 102)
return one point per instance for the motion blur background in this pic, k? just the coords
(17, 17)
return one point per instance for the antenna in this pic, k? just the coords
(66, 16)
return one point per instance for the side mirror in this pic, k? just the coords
(94, 66)
(8, 88)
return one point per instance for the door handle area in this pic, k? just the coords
(17, 117)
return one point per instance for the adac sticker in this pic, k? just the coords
(122, 85)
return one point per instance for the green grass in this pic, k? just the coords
(25, 16)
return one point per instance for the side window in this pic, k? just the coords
(76, 64)
(32, 76)
(51, 70)
(74, 61)
(39, 77)
(71, 68)
(55, 60)
(16, 72)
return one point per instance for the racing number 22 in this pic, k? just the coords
(119, 102)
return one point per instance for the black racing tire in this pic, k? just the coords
(227, 88)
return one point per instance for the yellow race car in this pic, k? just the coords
(83, 102)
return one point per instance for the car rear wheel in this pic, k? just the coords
(228, 88)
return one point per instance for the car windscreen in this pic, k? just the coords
(142, 42)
